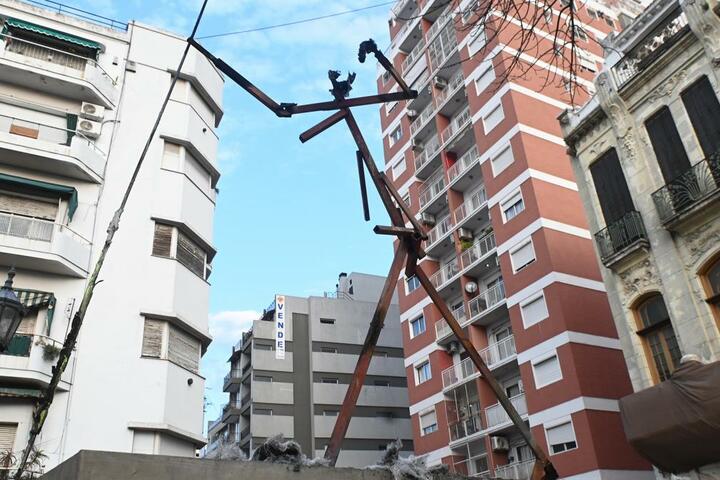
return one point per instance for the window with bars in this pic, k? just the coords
(168, 342)
(658, 336)
(169, 241)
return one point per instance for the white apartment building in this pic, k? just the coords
(78, 97)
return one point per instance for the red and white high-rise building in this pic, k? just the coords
(481, 161)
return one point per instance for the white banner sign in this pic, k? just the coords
(280, 327)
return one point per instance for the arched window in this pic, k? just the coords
(658, 336)
(711, 279)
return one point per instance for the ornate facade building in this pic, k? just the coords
(645, 154)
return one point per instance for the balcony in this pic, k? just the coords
(442, 48)
(468, 214)
(452, 96)
(691, 195)
(412, 57)
(442, 19)
(28, 143)
(651, 47)
(55, 72)
(453, 130)
(463, 164)
(515, 471)
(494, 355)
(459, 374)
(422, 119)
(231, 382)
(439, 231)
(473, 467)
(42, 245)
(497, 417)
(480, 249)
(622, 238)
(431, 197)
(24, 362)
(446, 273)
(428, 159)
(483, 308)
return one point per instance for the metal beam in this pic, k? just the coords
(351, 102)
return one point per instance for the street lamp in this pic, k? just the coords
(11, 311)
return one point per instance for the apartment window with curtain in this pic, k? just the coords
(171, 242)
(658, 336)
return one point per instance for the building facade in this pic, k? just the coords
(645, 156)
(479, 158)
(300, 396)
(78, 97)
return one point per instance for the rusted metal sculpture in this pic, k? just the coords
(409, 247)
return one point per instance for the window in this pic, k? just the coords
(611, 187)
(561, 438)
(546, 370)
(592, 13)
(477, 39)
(412, 284)
(580, 33)
(178, 159)
(511, 207)
(381, 383)
(428, 422)
(262, 411)
(406, 200)
(667, 144)
(380, 353)
(327, 321)
(262, 346)
(328, 350)
(330, 413)
(7, 437)
(534, 310)
(168, 342)
(385, 77)
(711, 281)
(703, 108)
(329, 380)
(547, 13)
(486, 78)
(423, 373)
(169, 241)
(417, 326)
(502, 160)
(522, 256)
(658, 336)
(586, 60)
(469, 11)
(385, 414)
(263, 378)
(396, 135)
(492, 119)
(399, 167)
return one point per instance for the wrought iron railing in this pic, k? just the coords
(479, 249)
(692, 187)
(620, 234)
(651, 47)
(487, 299)
(81, 14)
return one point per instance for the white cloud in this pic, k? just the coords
(228, 326)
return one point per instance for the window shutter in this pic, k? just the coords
(561, 434)
(534, 311)
(152, 338)
(190, 255)
(29, 206)
(162, 240)
(522, 256)
(183, 349)
(27, 324)
(703, 109)
(611, 187)
(7, 437)
(428, 419)
(503, 160)
(547, 371)
(668, 146)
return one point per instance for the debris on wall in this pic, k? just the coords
(406, 468)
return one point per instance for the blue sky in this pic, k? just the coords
(288, 217)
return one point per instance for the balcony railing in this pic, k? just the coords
(515, 471)
(487, 299)
(432, 187)
(446, 15)
(458, 373)
(700, 182)
(442, 47)
(457, 124)
(442, 328)
(235, 373)
(495, 415)
(422, 118)
(42, 132)
(429, 150)
(445, 274)
(439, 230)
(466, 427)
(620, 234)
(479, 249)
(498, 352)
(476, 201)
(413, 56)
(463, 163)
(476, 467)
(455, 82)
(651, 47)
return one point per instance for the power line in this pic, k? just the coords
(296, 22)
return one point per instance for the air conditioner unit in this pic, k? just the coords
(427, 219)
(439, 82)
(416, 144)
(499, 444)
(465, 234)
(412, 113)
(453, 347)
(91, 111)
(88, 129)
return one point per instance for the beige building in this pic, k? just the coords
(644, 153)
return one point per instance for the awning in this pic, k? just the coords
(34, 300)
(62, 191)
(66, 37)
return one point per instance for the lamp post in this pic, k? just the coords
(11, 312)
